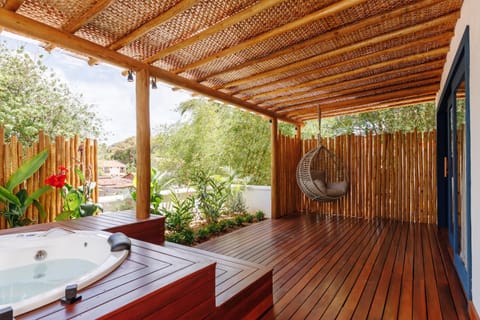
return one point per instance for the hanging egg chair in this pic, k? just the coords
(320, 174)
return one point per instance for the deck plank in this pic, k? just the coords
(327, 267)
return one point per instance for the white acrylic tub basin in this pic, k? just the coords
(36, 267)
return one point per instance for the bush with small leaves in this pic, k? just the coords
(202, 233)
(248, 218)
(259, 215)
(186, 237)
(239, 220)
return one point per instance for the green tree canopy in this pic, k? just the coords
(33, 98)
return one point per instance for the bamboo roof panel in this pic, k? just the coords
(280, 58)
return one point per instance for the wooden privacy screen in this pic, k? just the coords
(391, 176)
(70, 153)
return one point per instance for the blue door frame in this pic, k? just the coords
(447, 180)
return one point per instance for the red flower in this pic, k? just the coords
(56, 180)
(63, 169)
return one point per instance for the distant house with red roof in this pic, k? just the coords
(112, 168)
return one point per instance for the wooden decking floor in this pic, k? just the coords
(327, 267)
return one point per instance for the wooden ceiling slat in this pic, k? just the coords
(331, 35)
(368, 107)
(430, 66)
(322, 13)
(87, 16)
(242, 15)
(358, 89)
(13, 5)
(354, 95)
(440, 39)
(31, 28)
(336, 52)
(152, 24)
(371, 68)
(400, 94)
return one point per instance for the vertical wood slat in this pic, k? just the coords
(391, 176)
(61, 152)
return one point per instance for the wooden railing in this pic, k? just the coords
(71, 153)
(390, 176)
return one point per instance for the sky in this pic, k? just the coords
(106, 88)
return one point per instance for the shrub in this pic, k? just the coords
(213, 228)
(236, 203)
(222, 225)
(179, 217)
(185, 237)
(202, 233)
(248, 218)
(259, 215)
(211, 195)
(239, 220)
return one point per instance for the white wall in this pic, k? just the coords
(469, 16)
(258, 198)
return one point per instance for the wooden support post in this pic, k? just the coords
(275, 185)
(143, 143)
(298, 193)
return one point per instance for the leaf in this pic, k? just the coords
(35, 195)
(8, 196)
(41, 211)
(26, 170)
(63, 216)
(80, 175)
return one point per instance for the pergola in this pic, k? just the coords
(278, 58)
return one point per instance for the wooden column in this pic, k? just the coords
(143, 143)
(298, 193)
(274, 189)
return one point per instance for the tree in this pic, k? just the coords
(33, 98)
(210, 137)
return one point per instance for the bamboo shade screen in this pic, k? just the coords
(391, 176)
(62, 152)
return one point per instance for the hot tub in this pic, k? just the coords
(36, 267)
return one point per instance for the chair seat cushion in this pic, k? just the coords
(335, 189)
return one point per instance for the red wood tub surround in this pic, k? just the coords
(165, 281)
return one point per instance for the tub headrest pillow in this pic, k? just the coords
(119, 241)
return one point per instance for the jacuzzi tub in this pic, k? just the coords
(36, 267)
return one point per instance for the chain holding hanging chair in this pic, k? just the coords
(320, 174)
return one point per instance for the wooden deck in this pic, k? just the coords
(327, 267)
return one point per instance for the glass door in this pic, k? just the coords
(458, 230)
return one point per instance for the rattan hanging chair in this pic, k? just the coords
(320, 174)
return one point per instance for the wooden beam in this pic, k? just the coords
(87, 16)
(434, 66)
(155, 22)
(274, 169)
(331, 35)
(222, 25)
(444, 20)
(417, 47)
(12, 5)
(322, 13)
(356, 95)
(142, 92)
(34, 29)
(371, 69)
(390, 85)
(401, 94)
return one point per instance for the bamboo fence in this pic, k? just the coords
(391, 176)
(71, 153)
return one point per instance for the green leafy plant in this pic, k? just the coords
(238, 220)
(248, 218)
(16, 204)
(185, 237)
(180, 215)
(211, 195)
(259, 215)
(202, 233)
(158, 182)
(77, 201)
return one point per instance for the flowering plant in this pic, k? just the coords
(77, 202)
